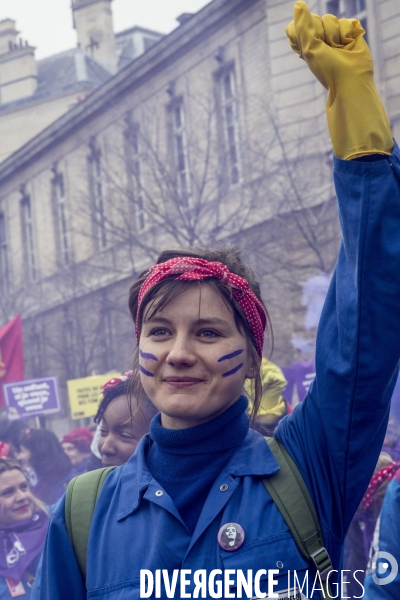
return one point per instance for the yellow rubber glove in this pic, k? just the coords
(337, 54)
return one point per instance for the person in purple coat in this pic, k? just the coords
(23, 525)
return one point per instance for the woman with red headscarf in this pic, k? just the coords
(76, 445)
(122, 423)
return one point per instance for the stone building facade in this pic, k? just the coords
(35, 93)
(216, 134)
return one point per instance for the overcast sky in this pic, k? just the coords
(47, 24)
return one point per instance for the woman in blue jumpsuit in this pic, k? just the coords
(200, 468)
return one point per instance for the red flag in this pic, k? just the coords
(11, 354)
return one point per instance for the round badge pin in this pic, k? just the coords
(230, 537)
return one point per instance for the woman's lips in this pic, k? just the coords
(22, 509)
(181, 382)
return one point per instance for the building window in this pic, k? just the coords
(135, 176)
(181, 151)
(345, 8)
(35, 347)
(354, 7)
(98, 195)
(69, 333)
(109, 346)
(61, 212)
(4, 270)
(357, 9)
(229, 107)
(332, 7)
(29, 237)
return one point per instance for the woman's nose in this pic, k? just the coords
(181, 351)
(22, 495)
(108, 446)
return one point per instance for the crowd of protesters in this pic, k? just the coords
(35, 468)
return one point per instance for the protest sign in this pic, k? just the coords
(32, 398)
(84, 394)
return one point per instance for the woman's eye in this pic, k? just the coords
(103, 432)
(160, 331)
(209, 333)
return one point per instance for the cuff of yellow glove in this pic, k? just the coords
(371, 157)
(368, 154)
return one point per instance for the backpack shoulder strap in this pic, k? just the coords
(291, 496)
(81, 497)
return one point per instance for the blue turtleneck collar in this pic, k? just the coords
(179, 459)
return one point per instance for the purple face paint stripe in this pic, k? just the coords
(143, 370)
(232, 371)
(147, 355)
(232, 355)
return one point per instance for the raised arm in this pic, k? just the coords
(336, 434)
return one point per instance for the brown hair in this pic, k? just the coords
(162, 293)
(9, 464)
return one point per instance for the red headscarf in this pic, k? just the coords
(194, 269)
(4, 449)
(116, 380)
(384, 474)
(80, 437)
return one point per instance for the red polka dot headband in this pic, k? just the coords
(116, 380)
(195, 269)
(386, 473)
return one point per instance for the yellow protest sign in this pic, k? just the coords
(84, 394)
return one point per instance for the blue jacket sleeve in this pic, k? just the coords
(388, 541)
(335, 435)
(60, 575)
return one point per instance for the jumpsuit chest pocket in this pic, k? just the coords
(278, 554)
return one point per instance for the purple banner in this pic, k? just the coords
(302, 373)
(32, 398)
(288, 391)
(299, 375)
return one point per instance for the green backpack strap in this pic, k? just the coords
(291, 496)
(81, 497)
